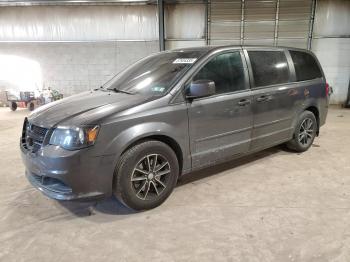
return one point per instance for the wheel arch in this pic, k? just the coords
(169, 141)
(316, 112)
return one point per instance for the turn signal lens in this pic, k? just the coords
(92, 134)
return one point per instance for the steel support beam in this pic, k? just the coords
(161, 25)
(311, 25)
(275, 39)
(207, 21)
(242, 21)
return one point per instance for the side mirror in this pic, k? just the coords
(200, 88)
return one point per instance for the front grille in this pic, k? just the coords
(33, 136)
(39, 130)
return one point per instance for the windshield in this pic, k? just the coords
(154, 75)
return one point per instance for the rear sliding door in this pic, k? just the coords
(274, 98)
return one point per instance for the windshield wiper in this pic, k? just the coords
(122, 91)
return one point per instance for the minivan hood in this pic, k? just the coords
(60, 111)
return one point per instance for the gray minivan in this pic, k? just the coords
(169, 114)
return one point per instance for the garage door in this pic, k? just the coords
(260, 22)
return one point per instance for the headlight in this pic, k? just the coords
(73, 138)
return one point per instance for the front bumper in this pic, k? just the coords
(69, 175)
(52, 189)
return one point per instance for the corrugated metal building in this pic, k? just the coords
(78, 45)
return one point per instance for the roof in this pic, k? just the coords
(211, 48)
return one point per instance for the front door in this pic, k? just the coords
(220, 126)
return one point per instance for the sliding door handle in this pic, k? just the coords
(244, 102)
(264, 98)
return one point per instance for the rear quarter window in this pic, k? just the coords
(306, 68)
(269, 67)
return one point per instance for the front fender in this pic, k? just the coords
(143, 130)
(136, 132)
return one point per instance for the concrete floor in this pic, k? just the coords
(273, 206)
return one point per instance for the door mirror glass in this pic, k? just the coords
(200, 88)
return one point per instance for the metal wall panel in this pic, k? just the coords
(294, 23)
(227, 30)
(176, 44)
(293, 29)
(78, 23)
(260, 22)
(295, 10)
(185, 21)
(225, 11)
(225, 21)
(260, 10)
(331, 44)
(73, 2)
(299, 43)
(185, 24)
(259, 30)
(334, 18)
(225, 42)
(267, 42)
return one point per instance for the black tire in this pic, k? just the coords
(13, 106)
(130, 184)
(304, 137)
(30, 106)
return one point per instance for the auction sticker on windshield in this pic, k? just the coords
(184, 60)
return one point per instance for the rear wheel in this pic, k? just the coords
(13, 106)
(30, 106)
(305, 132)
(146, 175)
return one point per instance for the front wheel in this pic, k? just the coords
(304, 133)
(146, 175)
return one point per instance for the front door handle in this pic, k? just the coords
(264, 98)
(244, 102)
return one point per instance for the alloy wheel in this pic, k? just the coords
(150, 176)
(306, 131)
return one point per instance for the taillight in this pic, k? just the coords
(327, 89)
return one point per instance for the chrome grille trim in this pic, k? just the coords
(33, 136)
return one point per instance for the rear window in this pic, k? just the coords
(305, 66)
(269, 67)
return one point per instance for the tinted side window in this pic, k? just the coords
(305, 66)
(269, 67)
(226, 70)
